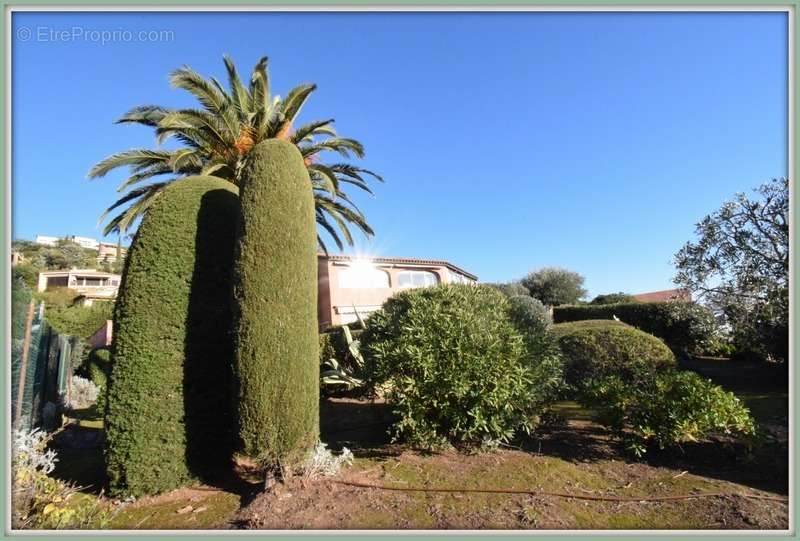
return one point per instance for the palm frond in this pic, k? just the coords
(259, 85)
(156, 170)
(241, 97)
(137, 159)
(206, 93)
(326, 175)
(147, 115)
(331, 231)
(342, 145)
(311, 129)
(290, 107)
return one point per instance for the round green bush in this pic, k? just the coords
(169, 410)
(526, 308)
(275, 308)
(454, 366)
(598, 348)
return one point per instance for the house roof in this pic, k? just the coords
(400, 261)
(665, 295)
(82, 272)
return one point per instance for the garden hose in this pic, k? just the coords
(567, 495)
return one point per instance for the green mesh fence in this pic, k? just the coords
(40, 380)
(27, 372)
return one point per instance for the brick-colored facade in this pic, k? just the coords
(347, 284)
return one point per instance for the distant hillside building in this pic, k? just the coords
(86, 242)
(92, 285)
(667, 295)
(106, 251)
(46, 240)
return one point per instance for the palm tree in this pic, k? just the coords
(216, 140)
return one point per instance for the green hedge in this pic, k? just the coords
(98, 367)
(169, 402)
(599, 348)
(275, 293)
(686, 327)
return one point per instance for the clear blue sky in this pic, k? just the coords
(508, 141)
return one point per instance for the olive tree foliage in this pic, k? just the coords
(510, 289)
(739, 265)
(64, 254)
(554, 286)
(613, 298)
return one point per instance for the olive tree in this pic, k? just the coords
(739, 264)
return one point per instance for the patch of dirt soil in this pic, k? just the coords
(329, 504)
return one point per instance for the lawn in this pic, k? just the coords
(579, 458)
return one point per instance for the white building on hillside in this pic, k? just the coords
(91, 284)
(46, 240)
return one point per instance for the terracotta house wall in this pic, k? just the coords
(336, 302)
(103, 336)
(323, 294)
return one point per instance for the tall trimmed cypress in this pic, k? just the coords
(275, 308)
(170, 391)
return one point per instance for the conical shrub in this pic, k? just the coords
(275, 308)
(170, 402)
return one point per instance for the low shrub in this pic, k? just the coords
(454, 366)
(527, 308)
(42, 502)
(532, 319)
(686, 327)
(27, 273)
(668, 409)
(98, 369)
(82, 393)
(322, 463)
(599, 348)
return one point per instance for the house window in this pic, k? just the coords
(417, 279)
(350, 314)
(456, 278)
(361, 276)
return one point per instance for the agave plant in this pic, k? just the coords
(216, 140)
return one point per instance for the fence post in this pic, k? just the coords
(26, 346)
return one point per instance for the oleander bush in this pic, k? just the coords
(667, 409)
(275, 309)
(599, 348)
(454, 366)
(169, 403)
(686, 327)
